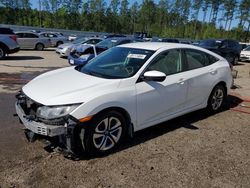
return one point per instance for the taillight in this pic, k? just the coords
(13, 37)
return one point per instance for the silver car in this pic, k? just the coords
(55, 38)
(30, 40)
(65, 49)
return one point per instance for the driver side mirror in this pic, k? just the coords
(154, 75)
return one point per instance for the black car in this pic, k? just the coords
(169, 40)
(229, 49)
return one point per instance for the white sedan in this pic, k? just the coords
(121, 91)
(245, 54)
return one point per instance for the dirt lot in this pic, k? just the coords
(195, 150)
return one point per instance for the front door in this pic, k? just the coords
(158, 100)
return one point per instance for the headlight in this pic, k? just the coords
(46, 112)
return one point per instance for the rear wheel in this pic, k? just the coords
(236, 60)
(59, 43)
(2, 52)
(216, 98)
(40, 46)
(105, 133)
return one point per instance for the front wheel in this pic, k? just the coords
(216, 98)
(105, 133)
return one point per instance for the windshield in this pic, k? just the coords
(247, 48)
(117, 62)
(80, 40)
(211, 43)
(108, 43)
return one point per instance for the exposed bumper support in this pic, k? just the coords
(39, 128)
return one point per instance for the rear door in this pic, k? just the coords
(203, 74)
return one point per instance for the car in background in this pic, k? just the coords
(72, 37)
(123, 90)
(111, 42)
(245, 54)
(83, 53)
(113, 35)
(64, 49)
(30, 40)
(8, 42)
(55, 38)
(172, 40)
(229, 49)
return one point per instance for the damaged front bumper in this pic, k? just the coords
(39, 127)
(64, 134)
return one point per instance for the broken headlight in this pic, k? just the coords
(47, 112)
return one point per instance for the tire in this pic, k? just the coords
(236, 60)
(2, 53)
(216, 98)
(104, 134)
(40, 46)
(59, 43)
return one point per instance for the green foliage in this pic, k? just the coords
(194, 19)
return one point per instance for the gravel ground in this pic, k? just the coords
(195, 150)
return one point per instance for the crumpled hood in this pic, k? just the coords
(67, 86)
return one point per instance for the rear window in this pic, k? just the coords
(6, 31)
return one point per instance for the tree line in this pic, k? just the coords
(194, 19)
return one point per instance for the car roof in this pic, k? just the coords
(156, 45)
(26, 32)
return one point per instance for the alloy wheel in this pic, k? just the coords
(217, 99)
(107, 133)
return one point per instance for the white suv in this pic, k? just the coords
(8, 42)
(123, 90)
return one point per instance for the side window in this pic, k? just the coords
(196, 59)
(224, 44)
(30, 35)
(19, 35)
(232, 44)
(212, 59)
(169, 62)
(95, 41)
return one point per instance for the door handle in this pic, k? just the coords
(213, 71)
(181, 81)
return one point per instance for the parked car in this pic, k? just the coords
(113, 35)
(245, 54)
(64, 49)
(83, 53)
(228, 49)
(55, 38)
(111, 42)
(8, 42)
(30, 40)
(72, 37)
(123, 90)
(169, 40)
